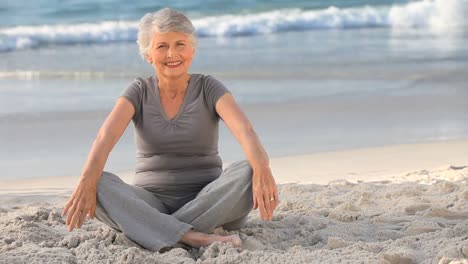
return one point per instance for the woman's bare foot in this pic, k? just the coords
(198, 239)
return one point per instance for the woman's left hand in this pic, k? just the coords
(265, 193)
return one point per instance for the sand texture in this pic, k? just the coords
(416, 217)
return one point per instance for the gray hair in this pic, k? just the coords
(165, 20)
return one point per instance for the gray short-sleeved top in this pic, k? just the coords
(178, 152)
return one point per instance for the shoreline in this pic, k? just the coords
(353, 165)
(394, 204)
(314, 125)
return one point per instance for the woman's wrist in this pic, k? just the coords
(260, 167)
(88, 179)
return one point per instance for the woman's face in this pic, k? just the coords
(171, 54)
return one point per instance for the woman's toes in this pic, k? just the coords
(236, 241)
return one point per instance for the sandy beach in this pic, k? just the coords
(361, 106)
(395, 204)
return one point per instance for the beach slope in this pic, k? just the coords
(396, 204)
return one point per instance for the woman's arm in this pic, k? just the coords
(109, 133)
(263, 184)
(83, 199)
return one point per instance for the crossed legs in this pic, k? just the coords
(143, 218)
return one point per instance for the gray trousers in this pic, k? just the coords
(144, 219)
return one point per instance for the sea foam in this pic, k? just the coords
(438, 16)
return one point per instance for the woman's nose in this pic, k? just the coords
(170, 52)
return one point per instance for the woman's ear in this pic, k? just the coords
(149, 60)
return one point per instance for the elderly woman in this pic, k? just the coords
(180, 192)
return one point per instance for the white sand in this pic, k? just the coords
(399, 204)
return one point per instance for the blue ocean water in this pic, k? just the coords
(48, 12)
(312, 75)
(334, 40)
(46, 23)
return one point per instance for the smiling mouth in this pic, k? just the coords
(173, 63)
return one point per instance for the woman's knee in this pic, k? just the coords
(242, 181)
(105, 179)
(246, 173)
(242, 171)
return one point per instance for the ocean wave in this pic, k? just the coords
(73, 75)
(26, 37)
(437, 15)
(440, 16)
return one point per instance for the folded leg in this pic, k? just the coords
(140, 215)
(225, 201)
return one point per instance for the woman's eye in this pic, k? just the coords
(180, 44)
(162, 46)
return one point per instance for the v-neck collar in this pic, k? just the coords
(182, 105)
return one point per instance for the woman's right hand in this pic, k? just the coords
(83, 199)
(82, 202)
